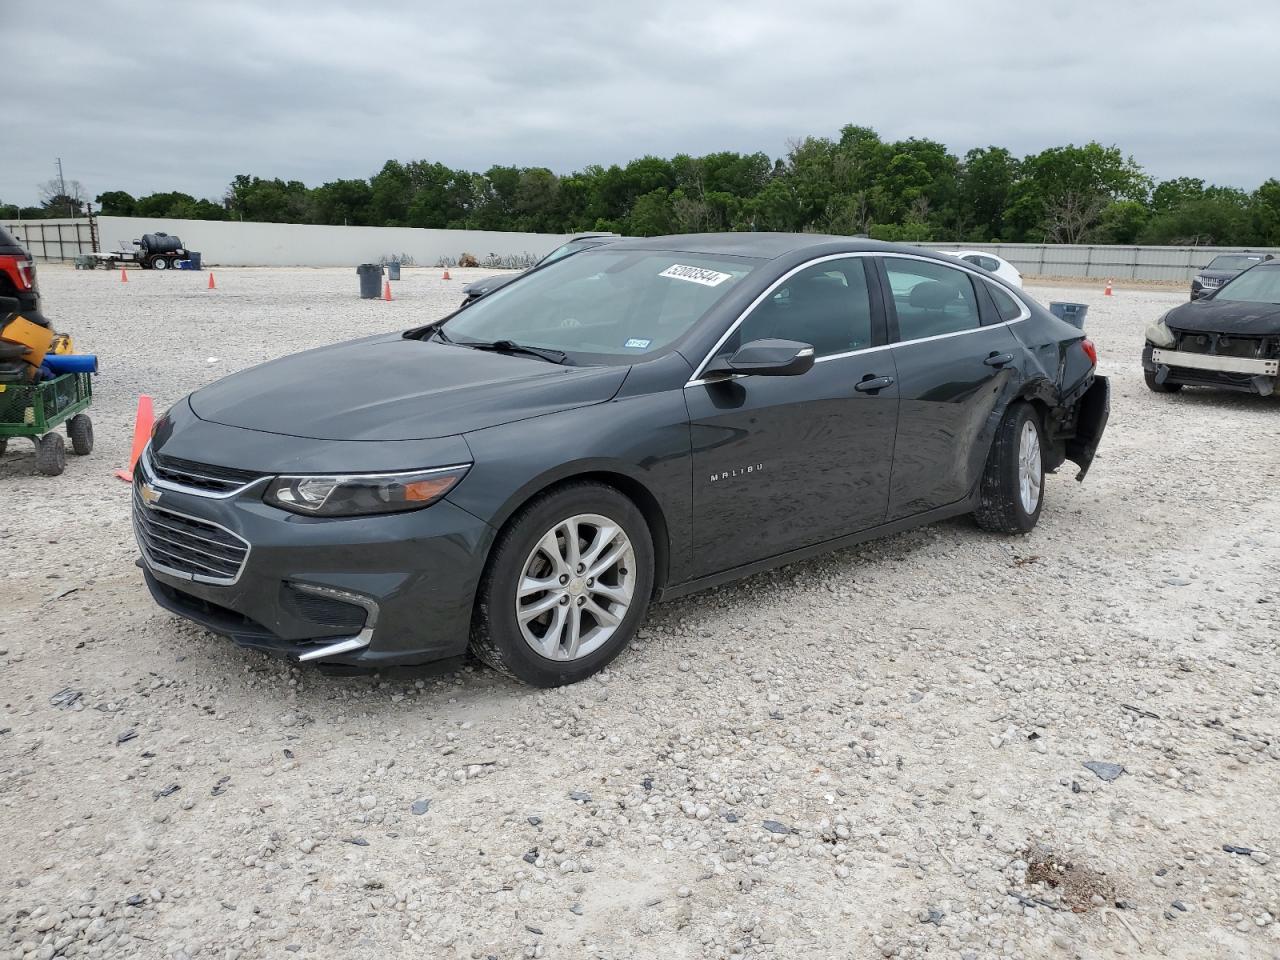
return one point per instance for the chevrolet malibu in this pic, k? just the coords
(631, 424)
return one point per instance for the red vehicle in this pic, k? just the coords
(18, 276)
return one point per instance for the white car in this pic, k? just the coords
(1001, 267)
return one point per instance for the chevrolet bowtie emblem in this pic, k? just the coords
(148, 493)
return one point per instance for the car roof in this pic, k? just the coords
(765, 246)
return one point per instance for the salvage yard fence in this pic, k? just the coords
(233, 243)
(1103, 262)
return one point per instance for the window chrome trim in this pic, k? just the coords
(960, 266)
(1026, 311)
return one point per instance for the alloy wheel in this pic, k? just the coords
(576, 587)
(1030, 472)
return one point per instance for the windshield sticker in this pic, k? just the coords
(708, 278)
(635, 343)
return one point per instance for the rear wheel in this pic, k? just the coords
(159, 263)
(1160, 387)
(1011, 492)
(566, 588)
(80, 430)
(51, 454)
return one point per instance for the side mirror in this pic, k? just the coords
(766, 358)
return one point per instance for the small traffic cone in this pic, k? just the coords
(142, 425)
(1107, 292)
(124, 277)
(446, 276)
(386, 289)
(212, 285)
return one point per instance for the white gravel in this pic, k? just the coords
(876, 753)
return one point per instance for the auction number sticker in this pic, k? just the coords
(708, 278)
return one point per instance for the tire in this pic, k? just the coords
(159, 263)
(1159, 387)
(80, 430)
(545, 650)
(51, 454)
(1005, 504)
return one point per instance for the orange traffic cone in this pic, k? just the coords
(1107, 292)
(446, 276)
(142, 425)
(212, 285)
(124, 277)
(386, 289)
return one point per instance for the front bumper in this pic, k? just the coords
(1245, 374)
(362, 591)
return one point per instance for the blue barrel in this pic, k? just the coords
(1073, 313)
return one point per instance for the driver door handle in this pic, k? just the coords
(872, 384)
(998, 359)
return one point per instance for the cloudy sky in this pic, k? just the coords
(183, 96)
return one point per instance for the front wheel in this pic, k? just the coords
(159, 263)
(566, 587)
(1011, 492)
(51, 454)
(80, 430)
(1165, 387)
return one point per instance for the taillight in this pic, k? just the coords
(1090, 350)
(26, 273)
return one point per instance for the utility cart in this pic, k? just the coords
(36, 410)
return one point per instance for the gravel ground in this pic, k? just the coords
(883, 752)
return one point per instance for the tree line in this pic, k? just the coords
(905, 190)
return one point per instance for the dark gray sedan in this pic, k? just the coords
(629, 424)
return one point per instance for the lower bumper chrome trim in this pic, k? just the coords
(347, 644)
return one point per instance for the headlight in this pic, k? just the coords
(354, 495)
(1160, 334)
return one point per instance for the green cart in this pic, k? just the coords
(35, 410)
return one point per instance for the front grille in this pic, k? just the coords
(201, 476)
(1223, 345)
(183, 545)
(325, 611)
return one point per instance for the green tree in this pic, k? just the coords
(987, 178)
(116, 203)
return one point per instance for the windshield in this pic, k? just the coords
(573, 246)
(606, 303)
(1232, 262)
(1261, 285)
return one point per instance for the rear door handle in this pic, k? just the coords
(998, 359)
(871, 384)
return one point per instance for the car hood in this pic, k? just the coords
(392, 388)
(1218, 274)
(1238, 317)
(478, 288)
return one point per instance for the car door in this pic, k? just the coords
(783, 462)
(952, 369)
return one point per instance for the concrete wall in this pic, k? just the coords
(1103, 262)
(232, 243)
(236, 244)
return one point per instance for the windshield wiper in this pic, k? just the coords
(510, 346)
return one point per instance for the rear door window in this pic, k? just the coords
(930, 299)
(1006, 307)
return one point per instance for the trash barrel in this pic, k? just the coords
(1073, 313)
(194, 257)
(393, 270)
(370, 274)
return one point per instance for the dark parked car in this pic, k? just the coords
(635, 422)
(478, 288)
(1221, 269)
(1229, 338)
